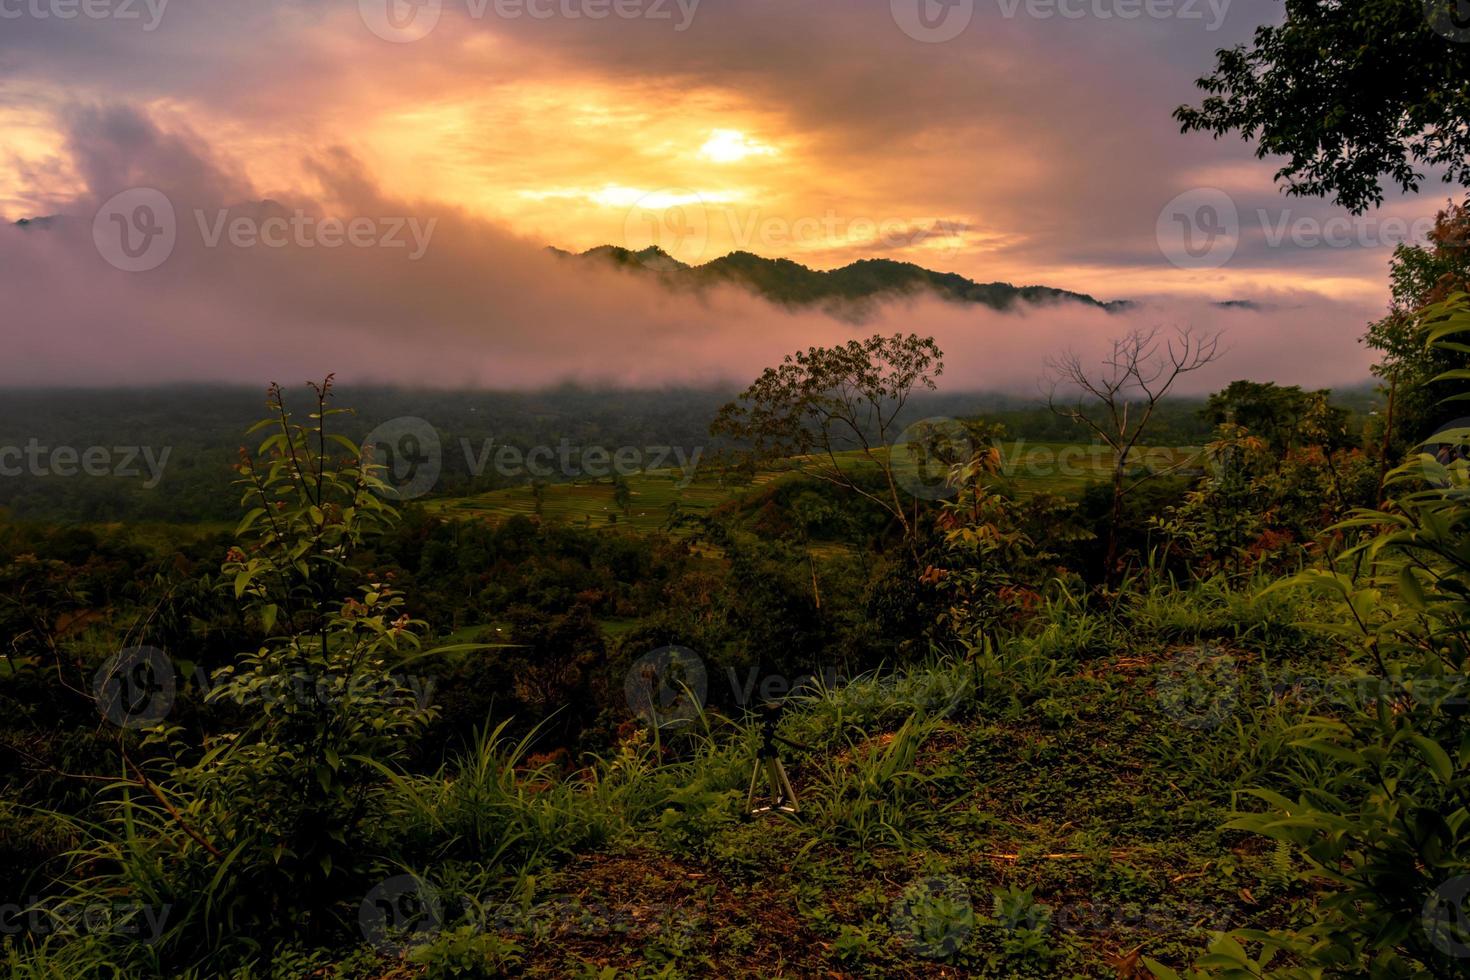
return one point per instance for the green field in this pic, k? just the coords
(1029, 467)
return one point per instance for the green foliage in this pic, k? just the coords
(1421, 274)
(828, 400)
(1037, 760)
(251, 835)
(866, 794)
(467, 953)
(1387, 827)
(1265, 503)
(1285, 417)
(1384, 96)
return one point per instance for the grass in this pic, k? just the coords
(1055, 812)
(1030, 467)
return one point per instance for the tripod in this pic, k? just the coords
(768, 761)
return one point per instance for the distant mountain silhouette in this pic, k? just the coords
(850, 291)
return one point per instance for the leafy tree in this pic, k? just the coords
(1421, 275)
(1348, 93)
(622, 496)
(1284, 417)
(1387, 823)
(826, 401)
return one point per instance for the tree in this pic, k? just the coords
(1286, 418)
(826, 401)
(1348, 93)
(538, 495)
(1421, 275)
(622, 496)
(1139, 371)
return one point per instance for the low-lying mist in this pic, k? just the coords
(436, 297)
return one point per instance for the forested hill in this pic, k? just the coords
(846, 291)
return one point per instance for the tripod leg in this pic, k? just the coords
(773, 781)
(755, 775)
(788, 795)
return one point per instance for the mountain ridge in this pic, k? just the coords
(850, 292)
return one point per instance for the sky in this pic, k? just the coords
(417, 157)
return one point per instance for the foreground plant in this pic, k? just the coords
(1385, 833)
(264, 829)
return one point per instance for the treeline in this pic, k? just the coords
(165, 454)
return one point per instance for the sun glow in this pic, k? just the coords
(732, 146)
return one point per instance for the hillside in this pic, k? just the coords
(847, 291)
(1057, 817)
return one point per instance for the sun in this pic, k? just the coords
(732, 146)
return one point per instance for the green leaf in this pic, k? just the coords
(1412, 589)
(249, 519)
(1159, 970)
(1436, 756)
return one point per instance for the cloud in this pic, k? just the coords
(1047, 134)
(482, 306)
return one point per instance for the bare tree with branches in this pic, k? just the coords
(1117, 402)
